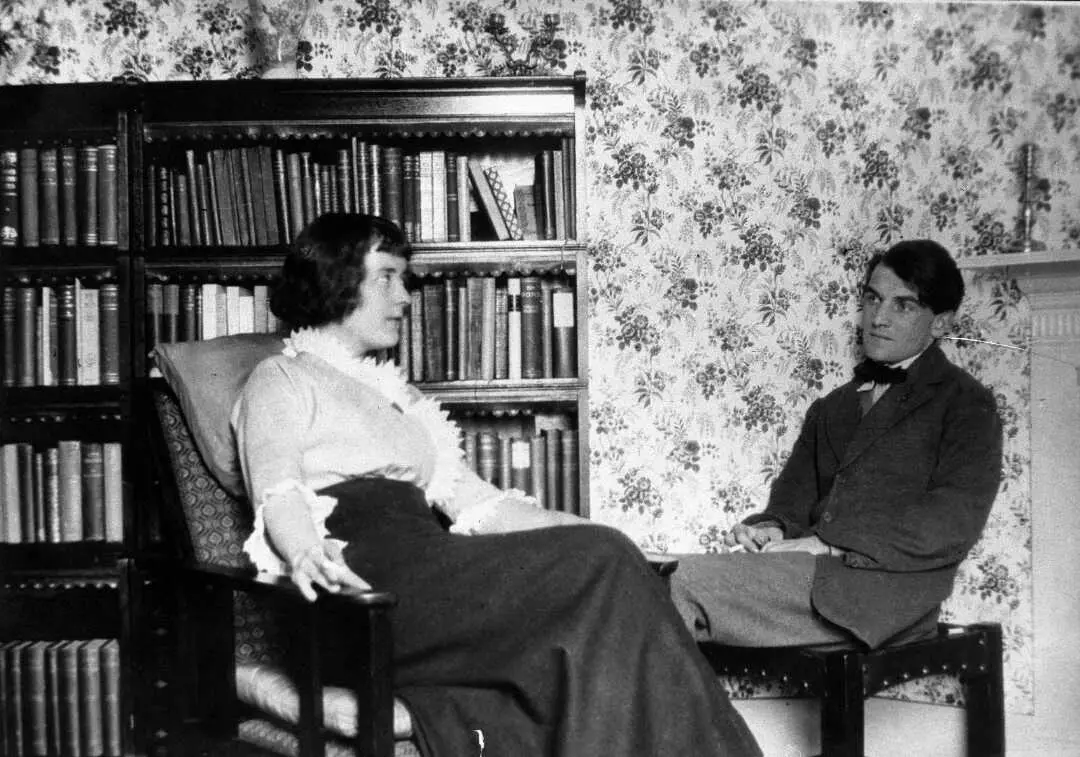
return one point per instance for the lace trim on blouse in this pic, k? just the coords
(388, 380)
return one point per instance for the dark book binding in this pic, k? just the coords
(29, 211)
(9, 198)
(86, 193)
(69, 196)
(109, 314)
(50, 196)
(434, 331)
(93, 491)
(570, 481)
(531, 329)
(107, 207)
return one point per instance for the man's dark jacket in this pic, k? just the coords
(907, 491)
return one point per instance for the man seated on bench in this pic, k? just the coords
(888, 486)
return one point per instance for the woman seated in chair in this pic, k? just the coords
(529, 631)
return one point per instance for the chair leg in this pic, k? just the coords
(985, 692)
(842, 717)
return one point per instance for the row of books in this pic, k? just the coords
(189, 312)
(486, 327)
(544, 464)
(71, 492)
(59, 196)
(65, 335)
(261, 195)
(60, 698)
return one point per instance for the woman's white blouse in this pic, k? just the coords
(314, 417)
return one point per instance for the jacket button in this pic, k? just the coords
(827, 517)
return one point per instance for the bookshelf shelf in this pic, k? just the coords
(1042, 264)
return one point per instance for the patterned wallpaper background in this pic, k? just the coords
(744, 160)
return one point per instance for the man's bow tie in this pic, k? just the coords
(879, 373)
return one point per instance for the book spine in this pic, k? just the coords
(35, 700)
(564, 332)
(86, 192)
(468, 447)
(569, 155)
(66, 328)
(214, 230)
(531, 327)
(553, 452)
(546, 194)
(474, 327)
(375, 178)
(427, 196)
(110, 698)
(454, 368)
(487, 455)
(465, 339)
(93, 491)
(89, 336)
(187, 328)
(69, 196)
(391, 185)
(559, 184)
(502, 364)
(416, 338)
(344, 180)
(17, 732)
(267, 186)
(162, 211)
(170, 312)
(178, 205)
(50, 197)
(438, 196)
(282, 198)
(90, 710)
(47, 354)
(487, 328)
(11, 525)
(40, 526)
(538, 459)
(51, 465)
(521, 465)
(570, 466)
(434, 329)
(358, 152)
(525, 210)
(26, 492)
(71, 721)
(69, 465)
(464, 199)
(513, 329)
(29, 212)
(108, 220)
(202, 203)
(9, 198)
(295, 193)
(547, 354)
(453, 212)
(8, 321)
(506, 472)
(109, 330)
(54, 734)
(26, 334)
(113, 492)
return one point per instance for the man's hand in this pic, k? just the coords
(322, 564)
(811, 544)
(753, 538)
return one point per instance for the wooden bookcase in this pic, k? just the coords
(233, 135)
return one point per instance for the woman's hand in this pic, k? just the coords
(322, 564)
(754, 538)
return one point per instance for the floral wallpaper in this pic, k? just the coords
(743, 161)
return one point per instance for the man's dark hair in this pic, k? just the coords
(321, 276)
(926, 267)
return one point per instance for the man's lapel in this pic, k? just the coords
(898, 401)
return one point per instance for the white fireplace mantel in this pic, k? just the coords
(1051, 283)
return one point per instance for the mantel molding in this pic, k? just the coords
(1051, 282)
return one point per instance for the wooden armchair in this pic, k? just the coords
(249, 676)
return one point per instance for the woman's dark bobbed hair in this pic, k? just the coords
(321, 276)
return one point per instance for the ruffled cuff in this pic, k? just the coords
(257, 546)
(472, 519)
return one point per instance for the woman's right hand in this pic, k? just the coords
(322, 564)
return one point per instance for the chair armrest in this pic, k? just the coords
(207, 591)
(278, 587)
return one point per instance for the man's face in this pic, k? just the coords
(896, 325)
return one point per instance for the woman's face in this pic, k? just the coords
(376, 322)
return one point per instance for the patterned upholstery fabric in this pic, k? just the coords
(218, 524)
(269, 690)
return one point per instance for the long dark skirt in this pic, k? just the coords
(560, 641)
